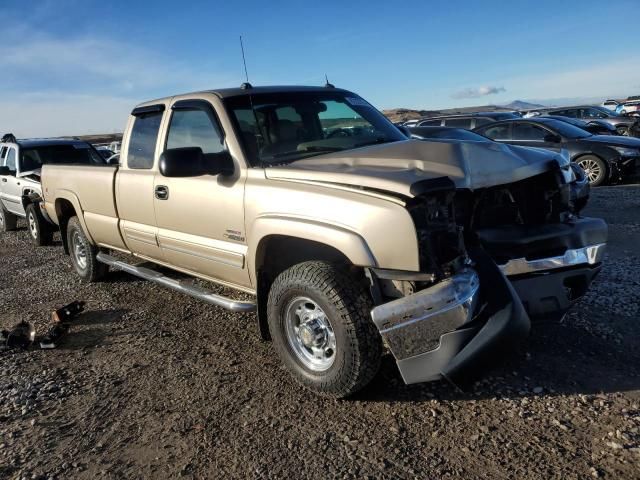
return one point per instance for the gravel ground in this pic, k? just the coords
(151, 384)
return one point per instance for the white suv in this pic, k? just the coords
(20, 190)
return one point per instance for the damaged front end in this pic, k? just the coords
(490, 259)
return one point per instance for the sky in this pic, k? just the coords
(72, 67)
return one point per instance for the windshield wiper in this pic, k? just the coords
(320, 148)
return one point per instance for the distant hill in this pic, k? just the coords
(404, 114)
(522, 105)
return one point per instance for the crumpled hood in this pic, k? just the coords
(394, 167)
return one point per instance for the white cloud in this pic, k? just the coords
(72, 86)
(612, 79)
(482, 91)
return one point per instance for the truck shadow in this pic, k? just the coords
(90, 329)
(559, 359)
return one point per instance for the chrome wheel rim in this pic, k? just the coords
(79, 250)
(592, 169)
(33, 226)
(310, 334)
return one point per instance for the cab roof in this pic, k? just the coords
(240, 91)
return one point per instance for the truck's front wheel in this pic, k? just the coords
(83, 253)
(319, 320)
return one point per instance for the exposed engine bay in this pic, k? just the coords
(450, 220)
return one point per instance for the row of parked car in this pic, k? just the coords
(603, 143)
(629, 107)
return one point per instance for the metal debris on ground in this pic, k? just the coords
(21, 335)
(61, 323)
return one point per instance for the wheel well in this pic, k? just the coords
(277, 253)
(64, 211)
(26, 198)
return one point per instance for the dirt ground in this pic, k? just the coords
(152, 384)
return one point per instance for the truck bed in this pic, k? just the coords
(90, 190)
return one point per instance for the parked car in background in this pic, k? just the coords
(590, 112)
(447, 133)
(468, 121)
(610, 104)
(595, 127)
(20, 191)
(248, 187)
(604, 158)
(630, 108)
(105, 152)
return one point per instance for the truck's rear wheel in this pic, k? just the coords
(40, 231)
(319, 320)
(8, 221)
(83, 253)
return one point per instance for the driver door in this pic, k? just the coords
(11, 190)
(200, 219)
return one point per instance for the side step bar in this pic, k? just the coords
(160, 279)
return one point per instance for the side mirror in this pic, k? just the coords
(552, 138)
(6, 171)
(191, 162)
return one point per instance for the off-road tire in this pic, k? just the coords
(8, 221)
(89, 270)
(585, 161)
(40, 230)
(347, 305)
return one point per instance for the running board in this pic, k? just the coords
(160, 279)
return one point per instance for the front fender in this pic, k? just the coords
(349, 243)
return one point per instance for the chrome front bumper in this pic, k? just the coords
(415, 324)
(589, 255)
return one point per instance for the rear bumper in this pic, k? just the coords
(448, 330)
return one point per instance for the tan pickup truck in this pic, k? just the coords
(350, 236)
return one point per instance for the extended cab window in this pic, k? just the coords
(194, 128)
(142, 142)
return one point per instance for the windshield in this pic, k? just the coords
(285, 127)
(566, 130)
(32, 158)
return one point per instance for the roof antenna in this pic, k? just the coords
(327, 84)
(246, 85)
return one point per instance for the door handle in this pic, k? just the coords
(162, 192)
(4, 180)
